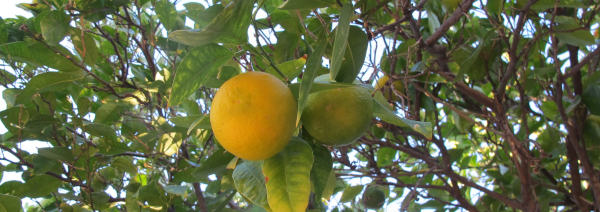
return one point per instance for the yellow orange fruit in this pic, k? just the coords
(253, 115)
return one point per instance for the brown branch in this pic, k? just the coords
(512, 52)
(585, 60)
(458, 13)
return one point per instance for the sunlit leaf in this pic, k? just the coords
(288, 174)
(290, 69)
(229, 26)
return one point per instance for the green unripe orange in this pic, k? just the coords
(338, 116)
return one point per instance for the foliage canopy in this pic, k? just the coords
(496, 107)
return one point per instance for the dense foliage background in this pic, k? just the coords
(482, 105)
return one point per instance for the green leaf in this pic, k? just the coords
(290, 69)
(382, 111)
(312, 66)
(109, 113)
(494, 6)
(288, 175)
(41, 185)
(169, 143)
(86, 48)
(550, 110)
(590, 98)
(354, 56)
(215, 164)
(38, 54)
(100, 200)
(124, 164)
(57, 153)
(578, 37)
(54, 25)
(318, 86)
(167, 14)
(432, 21)
(10, 203)
(322, 167)
(385, 156)
(152, 193)
(542, 5)
(305, 4)
(194, 69)
(48, 81)
(6, 77)
(350, 193)
(177, 190)
(229, 26)
(100, 130)
(340, 42)
(329, 186)
(250, 182)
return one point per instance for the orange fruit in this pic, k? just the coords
(338, 116)
(253, 115)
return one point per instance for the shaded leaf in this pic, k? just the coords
(100, 130)
(38, 54)
(340, 42)
(57, 153)
(350, 193)
(167, 14)
(571, 32)
(305, 4)
(215, 164)
(6, 77)
(385, 156)
(86, 47)
(312, 66)
(322, 167)
(10, 203)
(288, 175)
(176, 189)
(354, 55)
(41, 185)
(54, 25)
(382, 111)
(194, 69)
(590, 98)
(250, 182)
(48, 81)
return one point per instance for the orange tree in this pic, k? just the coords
(486, 105)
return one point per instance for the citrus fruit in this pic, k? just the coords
(338, 116)
(253, 115)
(373, 197)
